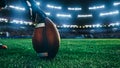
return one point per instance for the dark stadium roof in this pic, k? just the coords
(84, 4)
(79, 2)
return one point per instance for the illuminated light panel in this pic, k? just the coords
(47, 13)
(30, 23)
(73, 26)
(18, 8)
(21, 22)
(64, 15)
(114, 24)
(66, 26)
(116, 3)
(97, 25)
(25, 22)
(3, 20)
(16, 21)
(88, 26)
(110, 13)
(76, 9)
(38, 3)
(117, 24)
(94, 25)
(69, 26)
(96, 7)
(54, 7)
(80, 16)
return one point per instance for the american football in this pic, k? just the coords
(46, 39)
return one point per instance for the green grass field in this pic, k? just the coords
(73, 53)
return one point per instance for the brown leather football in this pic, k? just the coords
(46, 39)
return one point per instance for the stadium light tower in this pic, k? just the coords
(110, 13)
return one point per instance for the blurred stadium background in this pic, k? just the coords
(74, 19)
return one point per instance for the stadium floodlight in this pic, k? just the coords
(21, 22)
(117, 24)
(80, 26)
(94, 25)
(73, 26)
(66, 26)
(48, 13)
(18, 8)
(29, 23)
(50, 6)
(21, 8)
(54, 7)
(3, 20)
(98, 25)
(63, 15)
(116, 3)
(110, 13)
(25, 22)
(69, 26)
(57, 7)
(17, 21)
(71, 8)
(76, 9)
(11, 6)
(96, 7)
(114, 24)
(84, 16)
(88, 26)
(38, 3)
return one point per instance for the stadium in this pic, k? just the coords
(89, 31)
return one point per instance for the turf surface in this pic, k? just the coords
(73, 53)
